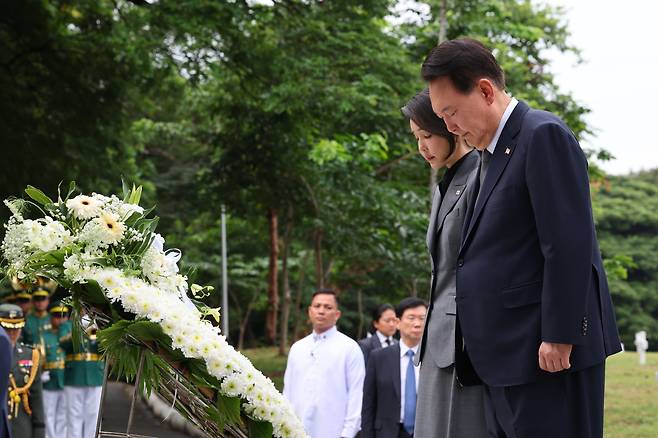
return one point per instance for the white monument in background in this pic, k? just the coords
(641, 344)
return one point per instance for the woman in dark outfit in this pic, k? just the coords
(445, 408)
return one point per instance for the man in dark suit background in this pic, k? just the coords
(6, 354)
(533, 304)
(391, 383)
(385, 324)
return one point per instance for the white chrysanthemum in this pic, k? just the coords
(126, 210)
(199, 339)
(84, 207)
(232, 385)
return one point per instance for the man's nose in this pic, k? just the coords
(451, 125)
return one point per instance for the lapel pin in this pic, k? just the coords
(508, 151)
(458, 192)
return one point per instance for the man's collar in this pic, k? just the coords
(381, 337)
(503, 120)
(404, 348)
(324, 335)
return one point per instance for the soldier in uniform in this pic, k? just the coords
(53, 376)
(83, 381)
(9, 297)
(24, 404)
(23, 299)
(37, 320)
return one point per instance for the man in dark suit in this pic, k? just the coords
(385, 324)
(391, 383)
(6, 355)
(533, 304)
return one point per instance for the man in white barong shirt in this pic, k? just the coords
(324, 375)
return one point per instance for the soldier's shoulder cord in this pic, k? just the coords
(23, 391)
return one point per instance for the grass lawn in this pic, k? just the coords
(631, 404)
(631, 398)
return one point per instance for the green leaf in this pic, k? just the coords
(229, 407)
(38, 196)
(226, 411)
(260, 429)
(146, 331)
(126, 190)
(92, 293)
(135, 195)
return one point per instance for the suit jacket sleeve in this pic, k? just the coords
(558, 185)
(369, 407)
(6, 353)
(365, 348)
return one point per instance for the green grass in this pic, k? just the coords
(631, 403)
(631, 397)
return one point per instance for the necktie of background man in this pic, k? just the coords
(410, 395)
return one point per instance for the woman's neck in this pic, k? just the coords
(461, 149)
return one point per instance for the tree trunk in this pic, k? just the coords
(285, 309)
(244, 317)
(443, 31)
(414, 287)
(327, 272)
(443, 21)
(273, 277)
(243, 327)
(319, 268)
(359, 304)
(298, 297)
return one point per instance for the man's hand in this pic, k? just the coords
(554, 357)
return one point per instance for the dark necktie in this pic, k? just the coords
(484, 165)
(387, 342)
(410, 395)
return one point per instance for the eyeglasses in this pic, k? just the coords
(413, 318)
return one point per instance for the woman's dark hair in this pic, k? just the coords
(464, 61)
(379, 311)
(377, 314)
(419, 109)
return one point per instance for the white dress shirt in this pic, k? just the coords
(404, 363)
(503, 120)
(324, 383)
(383, 338)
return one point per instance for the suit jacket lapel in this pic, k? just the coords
(374, 341)
(454, 191)
(431, 229)
(503, 152)
(456, 188)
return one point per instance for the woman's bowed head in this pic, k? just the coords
(438, 146)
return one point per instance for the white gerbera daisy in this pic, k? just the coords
(112, 227)
(84, 207)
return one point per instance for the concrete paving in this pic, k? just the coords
(116, 409)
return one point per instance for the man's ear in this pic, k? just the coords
(487, 89)
(337, 314)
